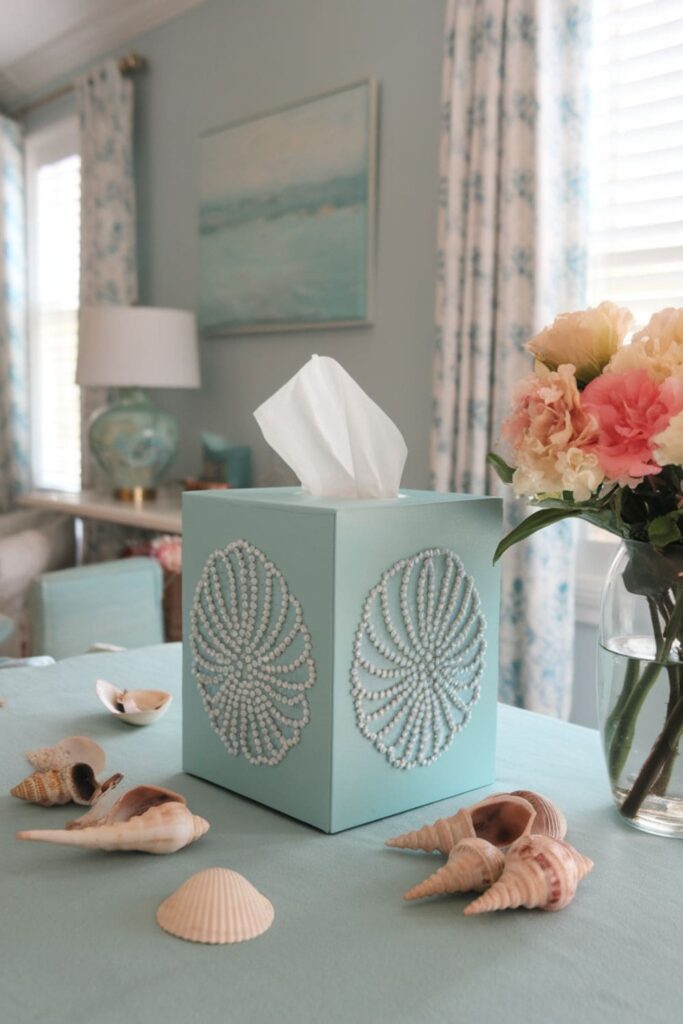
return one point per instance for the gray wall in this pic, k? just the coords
(229, 59)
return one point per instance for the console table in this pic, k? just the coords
(162, 514)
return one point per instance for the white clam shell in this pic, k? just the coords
(140, 707)
(70, 750)
(216, 906)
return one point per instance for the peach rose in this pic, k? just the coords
(549, 432)
(631, 410)
(668, 446)
(587, 339)
(658, 348)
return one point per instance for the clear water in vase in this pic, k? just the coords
(635, 697)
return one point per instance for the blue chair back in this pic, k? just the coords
(111, 602)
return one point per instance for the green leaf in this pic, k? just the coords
(537, 521)
(501, 467)
(664, 530)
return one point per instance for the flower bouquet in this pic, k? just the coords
(596, 433)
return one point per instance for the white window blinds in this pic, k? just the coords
(54, 226)
(636, 155)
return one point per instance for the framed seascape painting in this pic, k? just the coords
(287, 217)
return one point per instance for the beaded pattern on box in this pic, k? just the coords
(418, 656)
(251, 654)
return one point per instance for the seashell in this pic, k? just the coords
(164, 828)
(419, 647)
(137, 707)
(550, 821)
(72, 750)
(134, 802)
(473, 865)
(74, 782)
(539, 872)
(442, 835)
(499, 819)
(217, 906)
(502, 818)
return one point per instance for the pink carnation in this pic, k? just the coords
(630, 409)
(551, 436)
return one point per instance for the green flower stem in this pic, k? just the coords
(624, 726)
(629, 684)
(664, 747)
(675, 693)
(621, 724)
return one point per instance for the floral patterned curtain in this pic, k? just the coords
(104, 100)
(511, 256)
(14, 444)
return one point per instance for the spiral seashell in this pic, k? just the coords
(442, 835)
(251, 654)
(550, 821)
(499, 819)
(75, 783)
(165, 828)
(473, 865)
(502, 818)
(71, 750)
(132, 803)
(418, 657)
(216, 906)
(539, 872)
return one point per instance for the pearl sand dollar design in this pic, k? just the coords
(418, 656)
(251, 654)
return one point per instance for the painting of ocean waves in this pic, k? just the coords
(286, 217)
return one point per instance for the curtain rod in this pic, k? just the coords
(128, 65)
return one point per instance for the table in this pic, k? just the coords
(79, 942)
(162, 514)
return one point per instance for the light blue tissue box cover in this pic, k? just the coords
(331, 553)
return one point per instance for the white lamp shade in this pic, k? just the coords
(137, 346)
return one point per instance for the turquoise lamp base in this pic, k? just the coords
(133, 442)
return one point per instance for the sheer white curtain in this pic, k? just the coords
(511, 255)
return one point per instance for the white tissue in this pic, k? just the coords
(335, 438)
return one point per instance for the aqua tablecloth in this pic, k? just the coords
(79, 942)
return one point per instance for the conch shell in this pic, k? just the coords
(217, 906)
(500, 819)
(161, 828)
(134, 802)
(473, 865)
(550, 821)
(72, 750)
(75, 782)
(539, 872)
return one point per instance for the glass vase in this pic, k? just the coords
(640, 685)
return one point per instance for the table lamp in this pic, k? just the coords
(128, 349)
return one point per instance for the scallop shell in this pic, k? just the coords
(473, 865)
(251, 654)
(550, 821)
(137, 707)
(71, 750)
(75, 782)
(216, 906)
(418, 657)
(539, 872)
(499, 819)
(164, 828)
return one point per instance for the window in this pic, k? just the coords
(53, 200)
(636, 162)
(636, 153)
